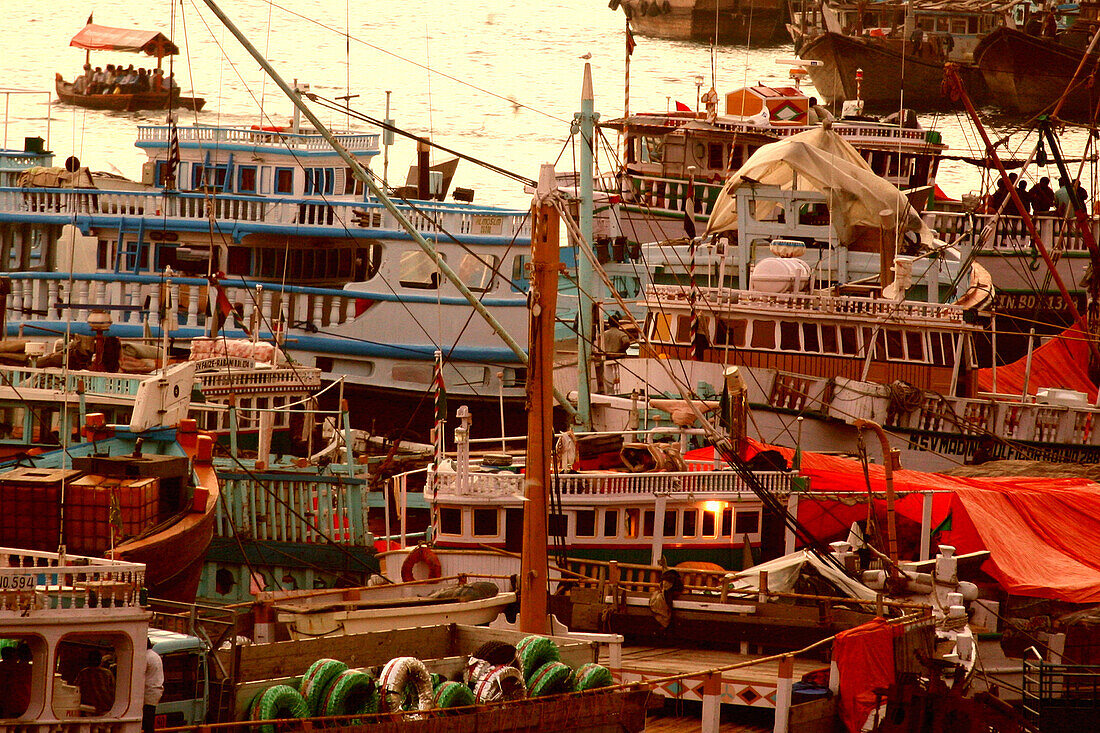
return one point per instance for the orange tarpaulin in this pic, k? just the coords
(1043, 534)
(1061, 362)
(94, 37)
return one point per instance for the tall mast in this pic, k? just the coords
(361, 174)
(534, 565)
(588, 286)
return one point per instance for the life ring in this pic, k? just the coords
(552, 678)
(315, 684)
(400, 676)
(592, 676)
(500, 684)
(352, 692)
(534, 652)
(453, 695)
(279, 702)
(421, 554)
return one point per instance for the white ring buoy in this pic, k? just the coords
(397, 675)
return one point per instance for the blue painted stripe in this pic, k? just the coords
(302, 342)
(515, 301)
(290, 153)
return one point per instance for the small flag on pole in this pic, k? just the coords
(90, 18)
(440, 407)
(689, 209)
(681, 107)
(630, 44)
(173, 156)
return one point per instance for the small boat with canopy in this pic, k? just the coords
(125, 98)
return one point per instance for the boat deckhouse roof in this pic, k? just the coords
(94, 37)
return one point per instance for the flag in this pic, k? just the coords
(630, 44)
(90, 18)
(944, 526)
(689, 208)
(440, 407)
(681, 107)
(173, 156)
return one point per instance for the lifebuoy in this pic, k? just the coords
(278, 703)
(499, 684)
(350, 693)
(422, 554)
(400, 674)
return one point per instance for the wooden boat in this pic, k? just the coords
(145, 493)
(1028, 74)
(126, 102)
(753, 22)
(309, 614)
(94, 37)
(889, 75)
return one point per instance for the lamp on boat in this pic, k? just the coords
(99, 322)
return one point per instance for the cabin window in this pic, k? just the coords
(849, 343)
(763, 334)
(102, 255)
(477, 271)
(182, 677)
(351, 183)
(737, 157)
(708, 523)
(557, 525)
(731, 332)
(82, 661)
(586, 523)
(972, 25)
(647, 523)
(519, 273)
(418, 270)
(659, 329)
(485, 522)
(948, 348)
(809, 337)
(632, 528)
(788, 336)
(450, 520)
(669, 529)
(829, 344)
(727, 522)
(914, 345)
(320, 181)
(246, 179)
(683, 329)
(691, 518)
(610, 522)
(13, 422)
(209, 176)
(747, 523)
(716, 154)
(650, 150)
(161, 175)
(284, 180)
(895, 351)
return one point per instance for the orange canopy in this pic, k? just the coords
(1063, 362)
(94, 37)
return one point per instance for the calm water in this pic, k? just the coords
(504, 81)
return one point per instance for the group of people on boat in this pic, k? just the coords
(1041, 199)
(119, 80)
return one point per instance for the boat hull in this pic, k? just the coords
(339, 623)
(728, 21)
(889, 77)
(126, 102)
(1028, 74)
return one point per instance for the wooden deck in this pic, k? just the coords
(753, 686)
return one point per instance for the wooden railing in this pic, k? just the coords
(308, 509)
(278, 139)
(32, 580)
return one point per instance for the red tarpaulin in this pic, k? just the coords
(94, 37)
(1043, 534)
(864, 658)
(1061, 362)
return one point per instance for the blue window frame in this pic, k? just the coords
(284, 180)
(320, 181)
(247, 179)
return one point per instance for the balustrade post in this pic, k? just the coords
(317, 310)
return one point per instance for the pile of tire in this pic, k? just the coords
(495, 672)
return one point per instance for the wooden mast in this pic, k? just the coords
(544, 269)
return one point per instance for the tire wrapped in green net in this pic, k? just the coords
(592, 676)
(534, 652)
(280, 702)
(552, 678)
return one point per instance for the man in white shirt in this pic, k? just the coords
(154, 688)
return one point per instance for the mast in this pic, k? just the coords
(361, 174)
(588, 287)
(957, 91)
(534, 565)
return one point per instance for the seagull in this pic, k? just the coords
(587, 56)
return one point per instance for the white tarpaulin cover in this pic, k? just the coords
(821, 160)
(784, 571)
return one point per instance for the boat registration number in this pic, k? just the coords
(17, 582)
(487, 224)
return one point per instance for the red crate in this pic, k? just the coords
(88, 526)
(30, 507)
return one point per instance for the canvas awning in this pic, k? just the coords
(94, 37)
(821, 160)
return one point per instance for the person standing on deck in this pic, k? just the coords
(154, 688)
(1042, 197)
